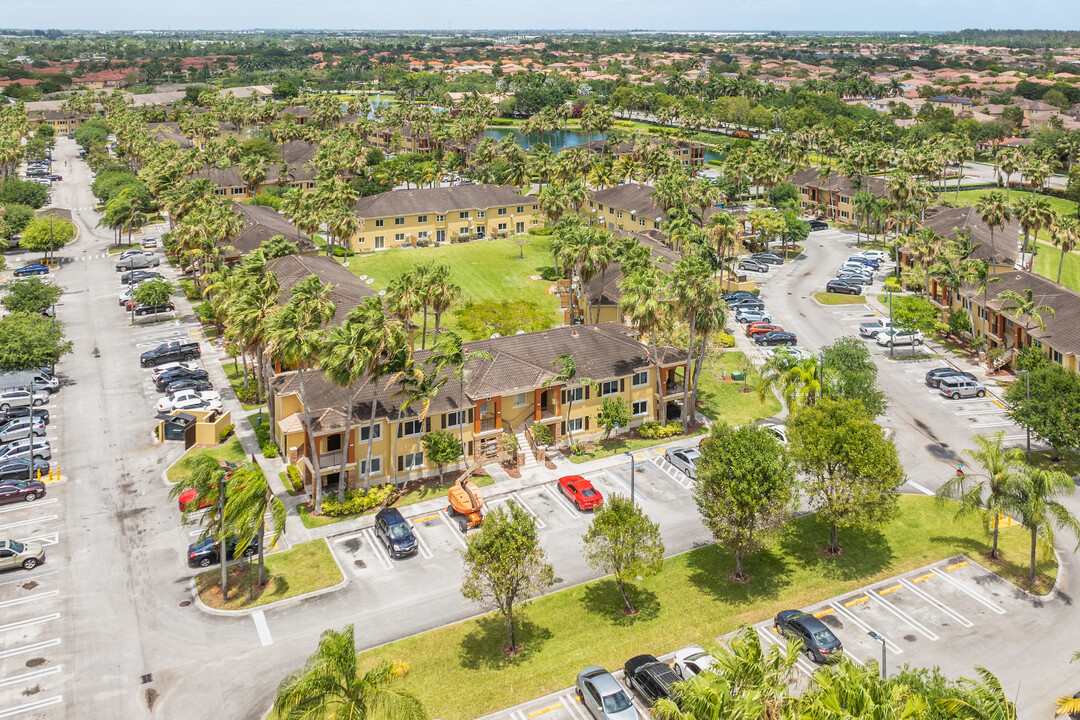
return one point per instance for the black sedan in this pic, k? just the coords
(843, 287)
(766, 257)
(165, 379)
(19, 469)
(24, 412)
(935, 376)
(188, 384)
(777, 337)
(204, 553)
(21, 491)
(817, 640)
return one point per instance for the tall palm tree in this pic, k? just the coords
(443, 293)
(566, 374)
(330, 686)
(1023, 304)
(1064, 233)
(206, 476)
(993, 209)
(987, 492)
(1034, 496)
(644, 302)
(247, 502)
(693, 285)
(982, 699)
(345, 361)
(450, 356)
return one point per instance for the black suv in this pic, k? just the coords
(818, 225)
(204, 553)
(19, 469)
(170, 376)
(935, 376)
(649, 678)
(24, 412)
(818, 641)
(394, 532)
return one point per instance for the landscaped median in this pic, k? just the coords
(828, 298)
(230, 452)
(460, 671)
(300, 570)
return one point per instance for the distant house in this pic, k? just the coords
(347, 290)
(105, 79)
(953, 102)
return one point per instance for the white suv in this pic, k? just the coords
(958, 386)
(888, 338)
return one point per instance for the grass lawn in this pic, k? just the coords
(235, 372)
(1046, 264)
(314, 521)
(1068, 462)
(428, 492)
(970, 197)
(117, 249)
(303, 568)
(229, 452)
(485, 270)
(616, 445)
(724, 399)
(460, 671)
(828, 298)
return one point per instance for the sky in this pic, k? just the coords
(718, 15)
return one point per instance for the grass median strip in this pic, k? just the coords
(459, 671)
(229, 452)
(302, 569)
(828, 298)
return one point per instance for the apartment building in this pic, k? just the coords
(261, 223)
(426, 216)
(833, 192)
(507, 395)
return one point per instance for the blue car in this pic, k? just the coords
(868, 262)
(32, 269)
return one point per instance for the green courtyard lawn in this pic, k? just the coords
(1068, 461)
(301, 569)
(460, 671)
(485, 270)
(970, 197)
(723, 399)
(1046, 264)
(828, 298)
(229, 452)
(620, 444)
(235, 372)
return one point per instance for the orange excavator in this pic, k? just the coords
(465, 504)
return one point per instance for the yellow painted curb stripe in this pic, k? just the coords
(1000, 405)
(924, 577)
(429, 517)
(823, 613)
(857, 601)
(894, 588)
(639, 456)
(956, 566)
(548, 709)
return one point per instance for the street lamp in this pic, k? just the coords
(631, 456)
(1027, 395)
(882, 640)
(892, 345)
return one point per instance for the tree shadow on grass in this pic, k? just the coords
(602, 599)
(711, 566)
(483, 648)
(866, 552)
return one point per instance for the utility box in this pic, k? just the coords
(180, 426)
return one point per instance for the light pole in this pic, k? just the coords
(882, 640)
(631, 456)
(1027, 396)
(892, 346)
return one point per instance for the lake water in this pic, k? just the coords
(558, 140)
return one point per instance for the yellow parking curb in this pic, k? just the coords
(639, 456)
(425, 519)
(956, 566)
(823, 613)
(857, 601)
(924, 577)
(894, 588)
(541, 711)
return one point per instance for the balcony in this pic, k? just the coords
(330, 460)
(548, 413)
(488, 425)
(673, 389)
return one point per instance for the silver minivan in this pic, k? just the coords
(21, 398)
(958, 386)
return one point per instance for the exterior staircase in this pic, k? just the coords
(526, 449)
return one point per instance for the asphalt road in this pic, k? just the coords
(128, 649)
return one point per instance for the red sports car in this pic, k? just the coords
(188, 496)
(580, 492)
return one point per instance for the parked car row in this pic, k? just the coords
(24, 454)
(856, 272)
(750, 309)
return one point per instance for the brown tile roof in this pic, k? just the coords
(946, 221)
(260, 224)
(349, 290)
(631, 196)
(835, 182)
(439, 200)
(1063, 330)
(603, 289)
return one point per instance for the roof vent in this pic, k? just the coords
(573, 333)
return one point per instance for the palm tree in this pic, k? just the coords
(443, 293)
(1024, 304)
(450, 356)
(330, 686)
(1034, 496)
(693, 284)
(982, 699)
(565, 374)
(799, 382)
(247, 502)
(644, 302)
(345, 362)
(993, 209)
(1064, 233)
(987, 492)
(206, 477)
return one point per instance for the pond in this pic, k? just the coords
(559, 140)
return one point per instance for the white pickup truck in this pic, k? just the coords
(871, 329)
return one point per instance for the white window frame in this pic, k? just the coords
(440, 218)
(642, 404)
(481, 213)
(421, 218)
(609, 387)
(376, 466)
(399, 221)
(422, 234)
(380, 242)
(364, 432)
(463, 418)
(524, 399)
(378, 222)
(411, 461)
(405, 424)
(644, 378)
(463, 214)
(576, 394)
(502, 211)
(399, 237)
(575, 424)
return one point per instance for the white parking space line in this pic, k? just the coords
(31, 521)
(525, 506)
(920, 488)
(970, 413)
(930, 634)
(973, 595)
(425, 551)
(24, 578)
(380, 550)
(1004, 423)
(560, 501)
(29, 598)
(1014, 438)
(840, 610)
(350, 536)
(262, 628)
(23, 506)
(20, 709)
(32, 621)
(570, 702)
(927, 597)
(33, 647)
(676, 475)
(454, 530)
(772, 639)
(32, 675)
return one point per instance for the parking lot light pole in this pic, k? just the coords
(892, 345)
(1027, 394)
(883, 651)
(631, 456)
(30, 437)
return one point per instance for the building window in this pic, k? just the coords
(618, 215)
(378, 223)
(376, 466)
(399, 237)
(422, 234)
(575, 425)
(464, 214)
(521, 399)
(421, 218)
(843, 213)
(502, 211)
(399, 221)
(1056, 356)
(481, 213)
(464, 230)
(656, 225)
(521, 208)
(239, 191)
(502, 226)
(641, 223)
(641, 407)
(412, 460)
(610, 387)
(412, 427)
(440, 218)
(380, 242)
(536, 207)
(575, 394)
(365, 431)
(640, 378)
(333, 443)
(455, 419)
(844, 200)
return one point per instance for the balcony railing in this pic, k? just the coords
(548, 413)
(330, 459)
(488, 425)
